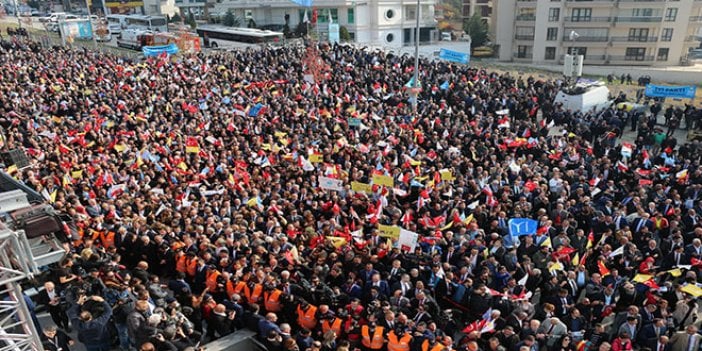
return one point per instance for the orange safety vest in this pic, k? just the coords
(252, 296)
(375, 343)
(192, 266)
(401, 344)
(336, 326)
(78, 242)
(211, 280)
(307, 319)
(182, 263)
(235, 289)
(107, 239)
(271, 300)
(437, 347)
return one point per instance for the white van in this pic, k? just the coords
(116, 23)
(584, 98)
(446, 36)
(133, 38)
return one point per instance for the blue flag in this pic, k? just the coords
(444, 86)
(254, 111)
(522, 226)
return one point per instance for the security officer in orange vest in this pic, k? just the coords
(372, 337)
(107, 239)
(398, 340)
(333, 323)
(181, 262)
(235, 286)
(306, 315)
(432, 344)
(191, 265)
(272, 298)
(253, 292)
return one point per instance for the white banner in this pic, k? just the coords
(330, 183)
(407, 240)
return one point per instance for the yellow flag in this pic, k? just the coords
(77, 174)
(182, 166)
(120, 147)
(468, 219)
(642, 278)
(446, 174)
(389, 231)
(266, 147)
(675, 272)
(52, 196)
(361, 187)
(253, 202)
(336, 241)
(12, 169)
(415, 163)
(280, 134)
(383, 180)
(692, 289)
(576, 259)
(556, 266)
(546, 242)
(316, 158)
(448, 226)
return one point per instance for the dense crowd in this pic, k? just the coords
(195, 185)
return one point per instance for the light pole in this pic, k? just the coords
(416, 62)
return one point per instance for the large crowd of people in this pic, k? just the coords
(223, 191)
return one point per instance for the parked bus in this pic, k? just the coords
(117, 23)
(242, 35)
(150, 23)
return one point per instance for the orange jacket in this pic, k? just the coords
(107, 239)
(191, 266)
(376, 341)
(211, 280)
(253, 295)
(398, 344)
(182, 262)
(437, 347)
(335, 326)
(307, 319)
(235, 288)
(271, 300)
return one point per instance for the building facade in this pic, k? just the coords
(481, 7)
(608, 32)
(388, 23)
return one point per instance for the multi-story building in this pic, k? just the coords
(481, 7)
(389, 23)
(160, 7)
(609, 32)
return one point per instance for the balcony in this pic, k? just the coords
(648, 19)
(524, 37)
(587, 19)
(632, 59)
(523, 56)
(602, 39)
(697, 19)
(641, 0)
(591, 58)
(634, 39)
(692, 38)
(525, 18)
(589, 3)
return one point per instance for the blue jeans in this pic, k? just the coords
(123, 335)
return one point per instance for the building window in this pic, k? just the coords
(662, 54)
(581, 15)
(323, 15)
(389, 14)
(638, 34)
(389, 38)
(671, 14)
(522, 51)
(350, 16)
(524, 33)
(550, 53)
(577, 50)
(635, 54)
(552, 33)
(667, 34)
(554, 13)
(642, 12)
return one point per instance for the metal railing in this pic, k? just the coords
(590, 0)
(638, 18)
(692, 38)
(595, 39)
(525, 18)
(696, 18)
(642, 0)
(632, 58)
(524, 37)
(527, 56)
(587, 19)
(591, 57)
(634, 39)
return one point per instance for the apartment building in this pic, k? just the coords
(609, 32)
(388, 23)
(481, 7)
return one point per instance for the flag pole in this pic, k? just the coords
(416, 62)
